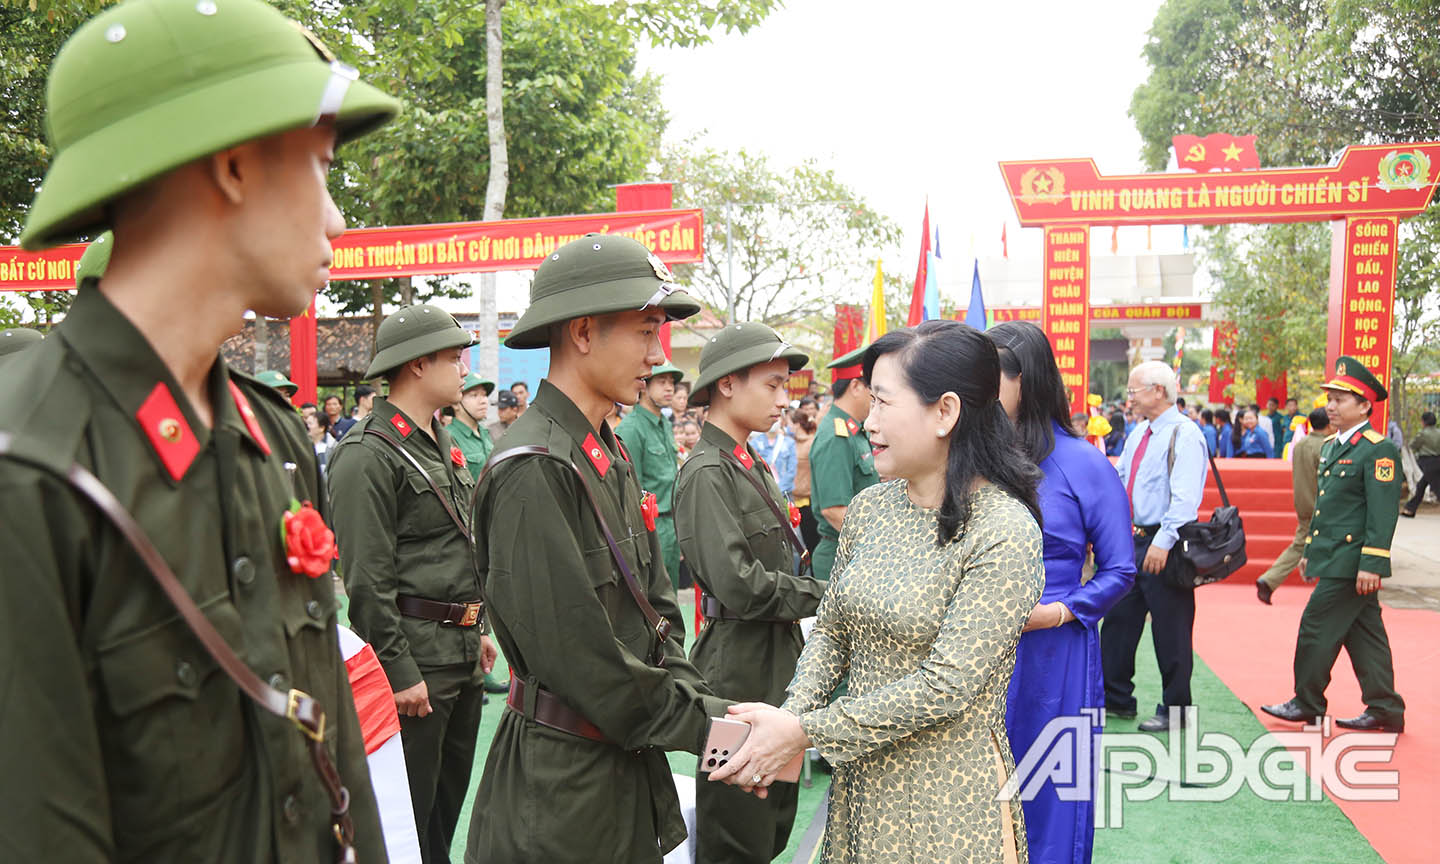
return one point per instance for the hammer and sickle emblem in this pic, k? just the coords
(1196, 153)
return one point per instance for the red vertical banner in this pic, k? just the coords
(303, 355)
(849, 328)
(1065, 307)
(1362, 298)
(1222, 363)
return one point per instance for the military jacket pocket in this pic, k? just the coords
(422, 515)
(175, 739)
(626, 619)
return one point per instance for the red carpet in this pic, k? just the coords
(1251, 646)
(1262, 489)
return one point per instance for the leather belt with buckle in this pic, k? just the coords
(455, 614)
(712, 609)
(1143, 531)
(550, 711)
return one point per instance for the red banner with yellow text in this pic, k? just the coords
(1065, 307)
(1362, 298)
(1118, 312)
(676, 236)
(1389, 179)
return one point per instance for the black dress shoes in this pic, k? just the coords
(1263, 591)
(1161, 721)
(1290, 711)
(1368, 722)
(1120, 713)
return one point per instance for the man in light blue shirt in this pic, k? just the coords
(1163, 496)
(777, 448)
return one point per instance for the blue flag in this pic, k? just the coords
(932, 289)
(975, 316)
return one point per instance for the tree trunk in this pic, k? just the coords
(377, 308)
(497, 184)
(262, 344)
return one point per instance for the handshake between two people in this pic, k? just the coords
(772, 747)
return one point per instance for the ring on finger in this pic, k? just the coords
(755, 781)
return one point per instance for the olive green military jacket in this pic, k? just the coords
(739, 553)
(651, 441)
(566, 622)
(396, 538)
(123, 741)
(1356, 508)
(841, 464)
(477, 446)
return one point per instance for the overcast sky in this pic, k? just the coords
(906, 99)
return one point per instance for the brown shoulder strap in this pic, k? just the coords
(659, 624)
(296, 706)
(790, 533)
(434, 487)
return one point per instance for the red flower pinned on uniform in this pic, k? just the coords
(794, 515)
(650, 509)
(457, 457)
(309, 544)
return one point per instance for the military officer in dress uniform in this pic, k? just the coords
(1356, 507)
(469, 430)
(841, 462)
(201, 133)
(736, 531)
(649, 437)
(575, 584)
(400, 488)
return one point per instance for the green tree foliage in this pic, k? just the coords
(1308, 77)
(802, 239)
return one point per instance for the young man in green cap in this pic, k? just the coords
(1347, 554)
(201, 133)
(841, 462)
(575, 584)
(278, 380)
(469, 430)
(739, 538)
(400, 489)
(649, 440)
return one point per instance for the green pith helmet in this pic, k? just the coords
(1351, 376)
(472, 381)
(272, 378)
(415, 331)
(18, 338)
(737, 347)
(594, 275)
(149, 85)
(96, 258)
(668, 368)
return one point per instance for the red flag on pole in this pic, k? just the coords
(1004, 244)
(917, 297)
(1115, 240)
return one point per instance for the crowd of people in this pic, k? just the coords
(911, 574)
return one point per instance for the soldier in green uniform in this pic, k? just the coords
(649, 438)
(469, 430)
(739, 548)
(601, 687)
(400, 489)
(279, 381)
(1347, 554)
(841, 462)
(201, 133)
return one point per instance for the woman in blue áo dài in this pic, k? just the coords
(1057, 663)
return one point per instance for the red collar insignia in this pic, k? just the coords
(852, 426)
(166, 430)
(401, 426)
(596, 454)
(744, 456)
(247, 414)
(1355, 439)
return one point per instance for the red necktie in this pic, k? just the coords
(1135, 466)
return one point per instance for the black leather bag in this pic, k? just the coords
(1211, 550)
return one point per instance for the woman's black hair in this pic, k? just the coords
(942, 357)
(1237, 429)
(1044, 402)
(1223, 415)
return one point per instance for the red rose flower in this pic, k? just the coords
(457, 457)
(309, 544)
(794, 515)
(650, 509)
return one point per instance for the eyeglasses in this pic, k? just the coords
(1131, 391)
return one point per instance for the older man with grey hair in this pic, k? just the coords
(1163, 468)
